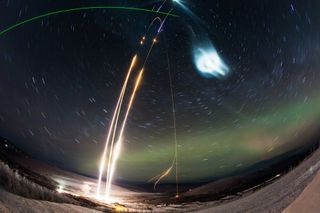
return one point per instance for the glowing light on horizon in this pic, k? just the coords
(60, 189)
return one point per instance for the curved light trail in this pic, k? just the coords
(4, 31)
(115, 147)
(112, 125)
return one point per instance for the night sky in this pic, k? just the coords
(60, 77)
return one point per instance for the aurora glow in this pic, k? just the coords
(224, 151)
(60, 83)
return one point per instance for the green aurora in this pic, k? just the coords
(217, 153)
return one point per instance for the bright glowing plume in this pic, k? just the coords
(209, 63)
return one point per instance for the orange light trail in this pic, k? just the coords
(113, 144)
(112, 148)
(114, 119)
(113, 157)
(156, 179)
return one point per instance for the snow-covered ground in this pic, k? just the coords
(277, 196)
(14, 203)
(282, 194)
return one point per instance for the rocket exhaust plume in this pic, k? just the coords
(112, 149)
(114, 153)
(114, 138)
(112, 126)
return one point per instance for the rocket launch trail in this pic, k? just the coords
(115, 137)
(112, 126)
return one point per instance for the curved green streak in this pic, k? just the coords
(79, 9)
